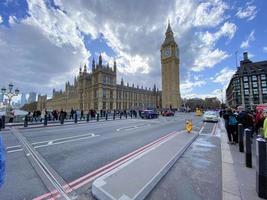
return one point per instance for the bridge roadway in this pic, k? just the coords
(74, 153)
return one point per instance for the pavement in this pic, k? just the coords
(239, 182)
(77, 155)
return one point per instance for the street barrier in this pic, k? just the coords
(62, 120)
(248, 142)
(261, 167)
(240, 137)
(26, 120)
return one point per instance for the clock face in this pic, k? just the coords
(167, 52)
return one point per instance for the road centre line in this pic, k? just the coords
(12, 151)
(12, 147)
(62, 138)
(56, 143)
(51, 142)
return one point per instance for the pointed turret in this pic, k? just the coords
(80, 71)
(154, 88)
(115, 66)
(100, 61)
(85, 69)
(93, 64)
(169, 34)
(122, 83)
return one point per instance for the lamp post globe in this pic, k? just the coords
(10, 86)
(3, 90)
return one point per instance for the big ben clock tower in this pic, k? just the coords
(170, 72)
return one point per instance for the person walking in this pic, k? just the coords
(232, 126)
(265, 124)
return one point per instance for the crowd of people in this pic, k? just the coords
(38, 116)
(255, 120)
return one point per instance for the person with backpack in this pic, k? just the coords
(232, 126)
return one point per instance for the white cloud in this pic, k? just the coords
(249, 12)
(1, 19)
(251, 37)
(187, 86)
(208, 59)
(224, 76)
(134, 33)
(265, 49)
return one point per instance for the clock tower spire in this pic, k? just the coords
(170, 71)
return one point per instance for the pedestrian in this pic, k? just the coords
(226, 115)
(82, 115)
(2, 161)
(71, 113)
(245, 119)
(259, 119)
(232, 128)
(265, 124)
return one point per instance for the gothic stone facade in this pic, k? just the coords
(99, 90)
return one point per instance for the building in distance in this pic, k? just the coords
(32, 97)
(248, 86)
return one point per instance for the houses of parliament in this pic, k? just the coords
(99, 90)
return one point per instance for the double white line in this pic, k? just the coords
(36, 145)
(48, 174)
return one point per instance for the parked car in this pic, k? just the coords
(167, 113)
(210, 116)
(149, 114)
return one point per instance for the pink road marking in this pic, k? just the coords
(102, 170)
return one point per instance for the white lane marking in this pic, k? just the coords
(12, 147)
(76, 136)
(132, 127)
(12, 151)
(56, 143)
(52, 142)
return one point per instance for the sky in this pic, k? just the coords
(44, 42)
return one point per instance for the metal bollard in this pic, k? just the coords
(3, 122)
(45, 120)
(131, 114)
(114, 115)
(120, 115)
(126, 115)
(240, 137)
(26, 120)
(61, 120)
(106, 116)
(97, 117)
(87, 117)
(248, 154)
(261, 167)
(75, 118)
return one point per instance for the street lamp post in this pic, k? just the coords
(9, 93)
